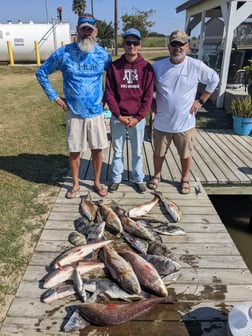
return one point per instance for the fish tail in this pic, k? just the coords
(83, 196)
(167, 299)
(157, 193)
(98, 202)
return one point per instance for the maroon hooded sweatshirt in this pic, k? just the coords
(129, 87)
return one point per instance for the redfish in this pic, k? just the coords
(56, 293)
(57, 276)
(146, 273)
(171, 207)
(134, 227)
(63, 273)
(120, 270)
(142, 209)
(113, 222)
(77, 253)
(87, 208)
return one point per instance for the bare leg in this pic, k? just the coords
(97, 165)
(186, 166)
(74, 160)
(158, 163)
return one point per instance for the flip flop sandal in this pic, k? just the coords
(72, 193)
(101, 192)
(152, 184)
(184, 187)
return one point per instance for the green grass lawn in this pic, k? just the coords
(33, 160)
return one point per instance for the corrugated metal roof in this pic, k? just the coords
(187, 5)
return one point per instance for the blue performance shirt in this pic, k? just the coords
(82, 77)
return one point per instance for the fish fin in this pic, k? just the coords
(171, 278)
(98, 202)
(104, 297)
(75, 322)
(93, 297)
(59, 266)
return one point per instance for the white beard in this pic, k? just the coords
(86, 45)
(178, 58)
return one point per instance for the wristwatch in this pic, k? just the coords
(201, 101)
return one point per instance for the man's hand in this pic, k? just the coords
(195, 107)
(61, 102)
(125, 120)
(128, 121)
(132, 122)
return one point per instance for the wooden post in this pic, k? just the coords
(116, 27)
(250, 220)
(37, 52)
(10, 53)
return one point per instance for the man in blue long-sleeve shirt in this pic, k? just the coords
(82, 64)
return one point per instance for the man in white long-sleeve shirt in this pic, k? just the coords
(176, 81)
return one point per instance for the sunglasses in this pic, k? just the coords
(177, 44)
(87, 20)
(135, 43)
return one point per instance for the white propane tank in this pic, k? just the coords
(22, 36)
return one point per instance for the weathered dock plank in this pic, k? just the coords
(219, 157)
(228, 158)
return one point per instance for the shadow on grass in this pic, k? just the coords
(37, 168)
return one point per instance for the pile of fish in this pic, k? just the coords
(126, 252)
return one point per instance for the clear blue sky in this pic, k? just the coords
(166, 19)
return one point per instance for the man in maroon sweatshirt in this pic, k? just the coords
(129, 93)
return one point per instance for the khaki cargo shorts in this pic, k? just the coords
(183, 142)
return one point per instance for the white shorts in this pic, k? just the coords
(83, 133)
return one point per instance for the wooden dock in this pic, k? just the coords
(221, 162)
(214, 276)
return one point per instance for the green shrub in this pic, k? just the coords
(242, 107)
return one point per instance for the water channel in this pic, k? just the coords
(235, 212)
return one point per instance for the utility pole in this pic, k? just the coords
(46, 11)
(116, 28)
(92, 7)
